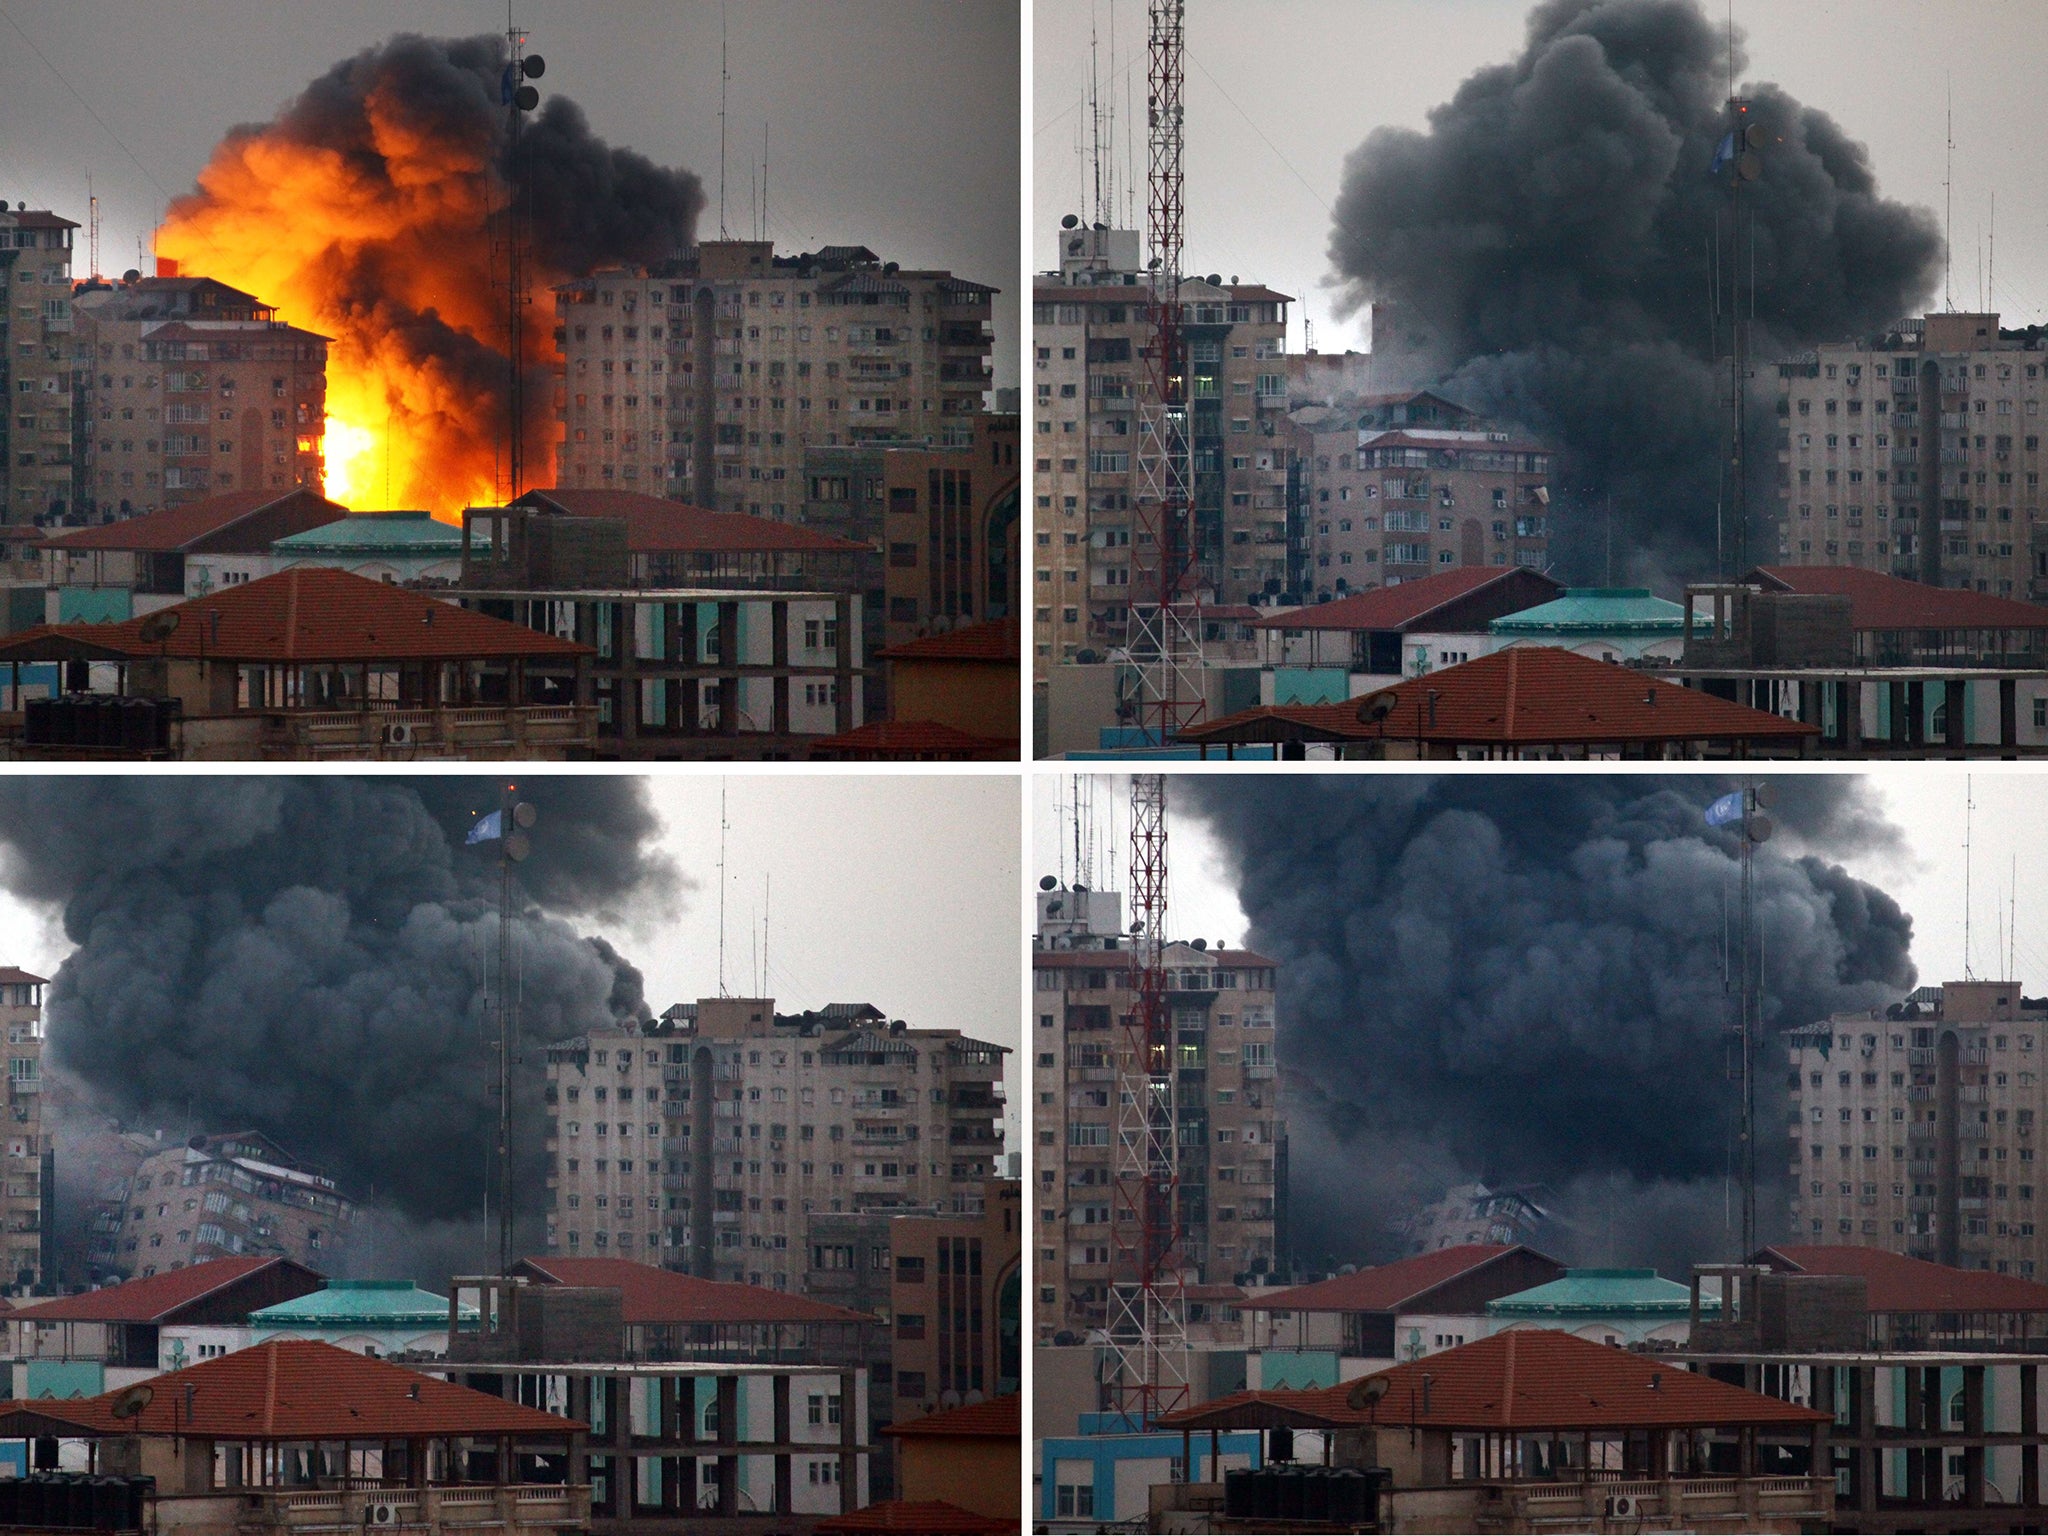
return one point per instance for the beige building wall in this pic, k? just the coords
(706, 1142)
(36, 337)
(1862, 453)
(23, 1144)
(1916, 1129)
(221, 1197)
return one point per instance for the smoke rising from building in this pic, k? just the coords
(1554, 231)
(1520, 979)
(371, 211)
(309, 957)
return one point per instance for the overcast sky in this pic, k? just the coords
(1927, 802)
(1279, 92)
(890, 123)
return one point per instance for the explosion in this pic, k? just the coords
(373, 210)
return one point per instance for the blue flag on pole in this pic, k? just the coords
(1723, 153)
(487, 828)
(1724, 810)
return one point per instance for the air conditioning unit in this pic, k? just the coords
(387, 1514)
(1623, 1506)
(399, 735)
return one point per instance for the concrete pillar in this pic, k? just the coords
(1973, 1424)
(2008, 715)
(2030, 1427)
(783, 1481)
(1953, 692)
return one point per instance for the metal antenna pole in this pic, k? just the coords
(505, 1033)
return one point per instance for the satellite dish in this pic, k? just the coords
(526, 98)
(1070, 222)
(1138, 925)
(517, 847)
(1200, 945)
(1760, 828)
(524, 815)
(160, 626)
(533, 66)
(1375, 707)
(1748, 166)
(130, 1404)
(1753, 137)
(1366, 1393)
(1048, 883)
(1765, 797)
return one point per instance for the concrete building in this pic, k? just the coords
(191, 389)
(1915, 1128)
(970, 1457)
(27, 1193)
(955, 1304)
(1232, 1132)
(1405, 1310)
(1478, 1213)
(942, 525)
(709, 378)
(1625, 1307)
(706, 1141)
(38, 364)
(1393, 487)
(1091, 326)
(219, 1196)
(409, 549)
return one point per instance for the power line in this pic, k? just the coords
(80, 99)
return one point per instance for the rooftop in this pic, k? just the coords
(1896, 1283)
(658, 526)
(1407, 605)
(996, 641)
(359, 1304)
(15, 976)
(159, 1298)
(923, 1518)
(999, 1418)
(651, 1296)
(1878, 601)
(1523, 1379)
(377, 533)
(1618, 1292)
(928, 739)
(1523, 696)
(1386, 1287)
(1597, 610)
(175, 529)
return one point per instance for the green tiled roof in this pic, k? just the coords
(359, 1304)
(365, 533)
(1583, 610)
(1609, 1292)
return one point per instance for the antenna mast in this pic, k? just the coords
(1948, 201)
(1161, 638)
(519, 99)
(722, 992)
(1147, 1313)
(1969, 813)
(92, 204)
(722, 78)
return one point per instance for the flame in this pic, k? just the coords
(387, 251)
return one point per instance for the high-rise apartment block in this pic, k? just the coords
(216, 1197)
(1916, 452)
(707, 379)
(708, 1139)
(1391, 487)
(1091, 334)
(26, 1194)
(1916, 1128)
(955, 1303)
(37, 362)
(1232, 1137)
(191, 389)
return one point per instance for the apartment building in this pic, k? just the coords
(955, 1303)
(192, 389)
(1393, 487)
(1091, 327)
(1232, 1133)
(37, 362)
(943, 526)
(1915, 1128)
(706, 1140)
(708, 378)
(220, 1196)
(26, 1194)
(1916, 452)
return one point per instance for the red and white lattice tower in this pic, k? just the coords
(1147, 1311)
(1163, 639)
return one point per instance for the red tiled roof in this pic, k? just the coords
(1527, 695)
(41, 218)
(1397, 607)
(175, 528)
(310, 613)
(203, 330)
(926, 739)
(1385, 1288)
(995, 641)
(1879, 601)
(1112, 959)
(1418, 435)
(1524, 1379)
(15, 976)
(155, 1298)
(658, 526)
(1899, 1284)
(932, 1517)
(999, 1418)
(301, 1389)
(656, 1296)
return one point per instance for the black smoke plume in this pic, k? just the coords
(1554, 231)
(1520, 980)
(309, 957)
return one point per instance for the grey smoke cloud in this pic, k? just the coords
(307, 956)
(1519, 978)
(1554, 226)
